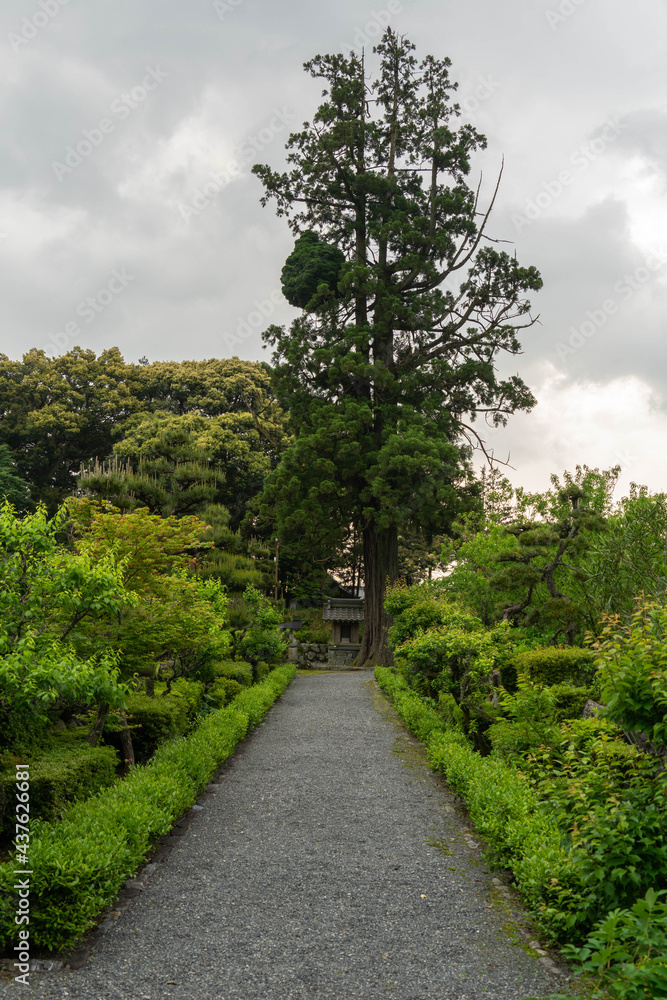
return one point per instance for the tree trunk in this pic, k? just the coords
(380, 568)
(95, 733)
(126, 744)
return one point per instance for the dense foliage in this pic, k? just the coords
(61, 413)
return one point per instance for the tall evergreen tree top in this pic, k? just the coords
(385, 379)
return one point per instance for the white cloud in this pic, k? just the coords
(579, 422)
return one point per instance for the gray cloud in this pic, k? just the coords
(540, 91)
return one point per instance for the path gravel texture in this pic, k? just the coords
(329, 863)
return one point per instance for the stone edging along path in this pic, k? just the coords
(330, 862)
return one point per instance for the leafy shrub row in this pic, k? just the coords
(568, 882)
(65, 769)
(80, 863)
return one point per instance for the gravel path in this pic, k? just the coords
(329, 863)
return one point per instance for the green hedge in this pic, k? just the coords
(556, 664)
(65, 769)
(80, 863)
(236, 670)
(499, 801)
(223, 691)
(155, 719)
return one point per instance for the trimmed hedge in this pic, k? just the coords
(63, 770)
(80, 864)
(499, 801)
(236, 670)
(556, 664)
(223, 691)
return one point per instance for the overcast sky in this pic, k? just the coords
(129, 217)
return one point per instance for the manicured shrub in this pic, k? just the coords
(63, 770)
(223, 691)
(154, 720)
(162, 717)
(236, 670)
(556, 664)
(192, 693)
(569, 700)
(80, 863)
(511, 740)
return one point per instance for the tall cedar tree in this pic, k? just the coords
(385, 373)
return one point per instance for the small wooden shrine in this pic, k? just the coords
(345, 615)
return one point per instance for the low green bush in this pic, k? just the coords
(556, 664)
(63, 769)
(192, 693)
(236, 670)
(512, 740)
(223, 691)
(79, 864)
(154, 720)
(569, 700)
(261, 670)
(625, 955)
(162, 717)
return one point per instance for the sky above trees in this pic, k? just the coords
(129, 216)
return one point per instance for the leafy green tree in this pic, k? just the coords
(523, 559)
(231, 446)
(150, 548)
(177, 619)
(384, 378)
(627, 559)
(632, 663)
(474, 578)
(58, 412)
(13, 489)
(180, 465)
(235, 561)
(47, 595)
(254, 627)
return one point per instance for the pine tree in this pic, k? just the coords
(384, 378)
